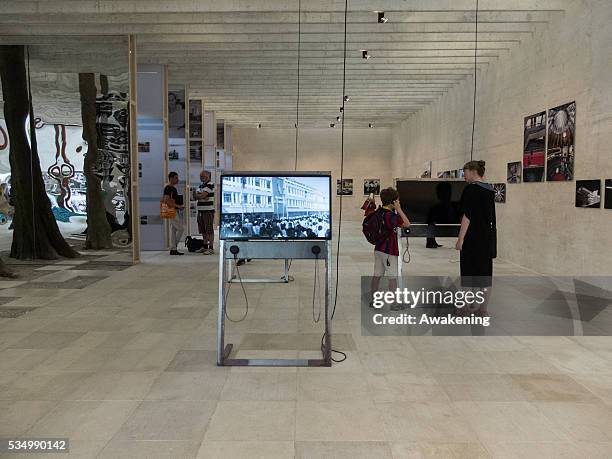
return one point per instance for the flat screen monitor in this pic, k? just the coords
(275, 206)
(431, 201)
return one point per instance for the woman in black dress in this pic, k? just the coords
(477, 237)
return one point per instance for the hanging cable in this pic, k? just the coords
(475, 81)
(297, 104)
(341, 160)
(344, 100)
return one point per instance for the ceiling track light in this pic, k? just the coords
(381, 17)
(347, 99)
(341, 109)
(259, 126)
(338, 118)
(365, 55)
(331, 125)
(370, 125)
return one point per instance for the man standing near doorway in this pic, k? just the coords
(172, 197)
(205, 195)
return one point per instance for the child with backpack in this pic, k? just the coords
(380, 230)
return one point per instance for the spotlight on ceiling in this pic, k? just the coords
(365, 55)
(381, 17)
(331, 125)
(338, 118)
(259, 126)
(347, 99)
(341, 109)
(370, 125)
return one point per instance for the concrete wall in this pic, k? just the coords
(569, 59)
(367, 154)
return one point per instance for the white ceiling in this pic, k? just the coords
(241, 56)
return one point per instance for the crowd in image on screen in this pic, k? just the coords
(275, 207)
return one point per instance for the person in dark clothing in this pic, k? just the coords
(477, 237)
(174, 199)
(445, 211)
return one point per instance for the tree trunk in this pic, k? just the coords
(36, 234)
(98, 228)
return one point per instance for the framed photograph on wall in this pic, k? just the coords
(371, 186)
(515, 172)
(500, 192)
(588, 194)
(561, 143)
(534, 147)
(608, 194)
(176, 113)
(345, 188)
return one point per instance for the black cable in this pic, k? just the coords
(243, 291)
(314, 293)
(341, 162)
(341, 180)
(475, 82)
(297, 105)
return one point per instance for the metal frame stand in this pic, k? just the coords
(232, 278)
(272, 250)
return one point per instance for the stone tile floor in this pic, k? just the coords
(125, 368)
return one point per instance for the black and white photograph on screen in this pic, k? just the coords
(195, 150)
(515, 172)
(534, 146)
(500, 192)
(275, 207)
(346, 188)
(588, 193)
(608, 194)
(176, 114)
(561, 143)
(460, 173)
(195, 119)
(371, 186)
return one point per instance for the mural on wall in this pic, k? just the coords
(588, 193)
(61, 149)
(561, 143)
(113, 167)
(371, 186)
(345, 188)
(515, 172)
(534, 144)
(500, 192)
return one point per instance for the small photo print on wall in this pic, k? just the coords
(515, 172)
(176, 114)
(371, 186)
(144, 147)
(426, 170)
(588, 193)
(608, 194)
(561, 142)
(345, 188)
(534, 145)
(195, 151)
(195, 119)
(500, 192)
(176, 152)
